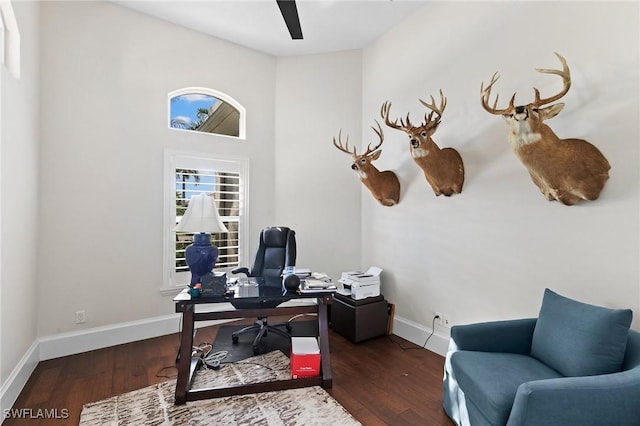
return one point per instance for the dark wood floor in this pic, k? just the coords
(383, 381)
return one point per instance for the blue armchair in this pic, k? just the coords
(576, 364)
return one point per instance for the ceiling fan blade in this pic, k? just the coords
(290, 14)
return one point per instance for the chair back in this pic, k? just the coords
(276, 250)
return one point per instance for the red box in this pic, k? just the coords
(305, 357)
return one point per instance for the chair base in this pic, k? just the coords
(262, 328)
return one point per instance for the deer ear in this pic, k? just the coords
(376, 154)
(550, 111)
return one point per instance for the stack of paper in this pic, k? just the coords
(302, 272)
(317, 282)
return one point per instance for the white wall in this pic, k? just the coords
(107, 72)
(317, 193)
(484, 254)
(19, 190)
(488, 253)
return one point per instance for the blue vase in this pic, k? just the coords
(201, 256)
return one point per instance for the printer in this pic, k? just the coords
(360, 285)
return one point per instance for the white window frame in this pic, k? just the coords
(174, 281)
(2, 37)
(242, 125)
(10, 39)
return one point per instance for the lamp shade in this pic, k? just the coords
(201, 216)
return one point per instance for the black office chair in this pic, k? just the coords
(276, 250)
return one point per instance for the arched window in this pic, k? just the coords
(199, 109)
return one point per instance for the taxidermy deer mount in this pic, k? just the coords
(566, 170)
(443, 168)
(385, 185)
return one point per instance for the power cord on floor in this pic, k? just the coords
(245, 362)
(214, 360)
(433, 329)
(209, 358)
(404, 348)
(301, 315)
(161, 374)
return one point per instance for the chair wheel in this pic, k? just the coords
(234, 339)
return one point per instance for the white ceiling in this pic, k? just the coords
(327, 26)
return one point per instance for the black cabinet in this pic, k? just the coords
(359, 320)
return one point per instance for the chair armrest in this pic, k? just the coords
(587, 401)
(241, 270)
(511, 336)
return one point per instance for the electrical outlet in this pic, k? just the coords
(439, 318)
(81, 317)
(442, 319)
(446, 320)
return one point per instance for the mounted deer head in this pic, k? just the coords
(566, 170)
(385, 185)
(443, 168)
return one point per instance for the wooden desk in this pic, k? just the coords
(187, 365)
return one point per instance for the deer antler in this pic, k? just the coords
(429, 122)
(566, 82)
(344, 149)
(380, 136)
(486, 94)
(384, 112)
(537, 102)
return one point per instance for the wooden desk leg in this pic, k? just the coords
(323, 329)
(184, 364)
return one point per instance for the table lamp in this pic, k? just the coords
(202, 219)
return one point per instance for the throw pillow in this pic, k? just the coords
(578, 339)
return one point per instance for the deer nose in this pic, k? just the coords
(415, 143)
(354, 167)
(521, 113)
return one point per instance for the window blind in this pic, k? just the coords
(225, 187)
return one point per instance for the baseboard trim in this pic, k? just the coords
(12, 387)
(64, 344)
(417, 333)
(116, 334)
(75, 342)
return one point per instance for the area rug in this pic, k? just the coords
(154, 405)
